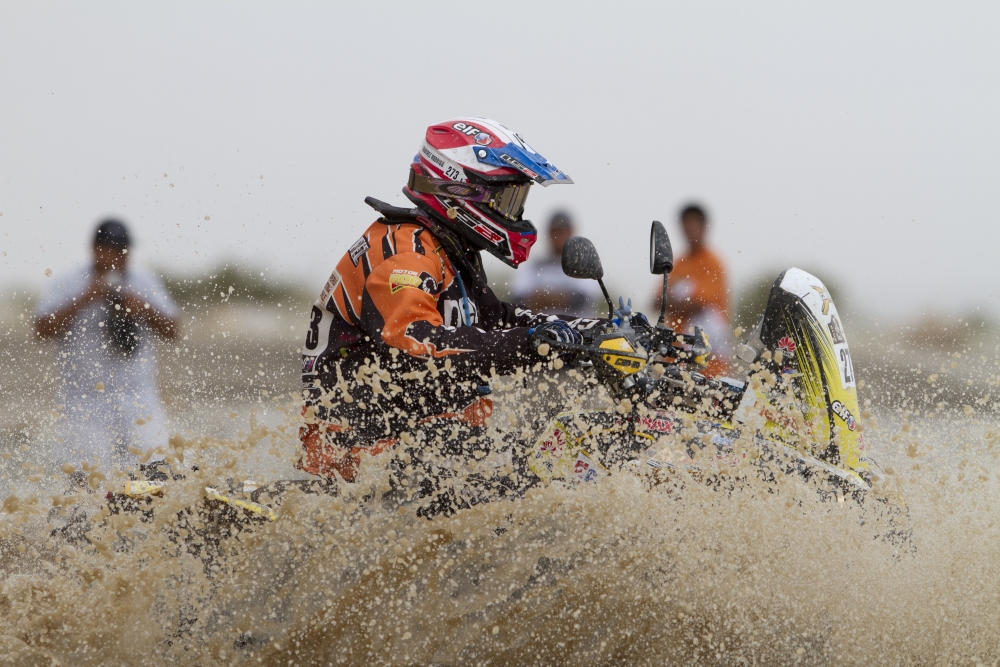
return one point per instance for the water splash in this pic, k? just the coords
(628, 571)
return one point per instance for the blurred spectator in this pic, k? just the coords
(102, 317)
(698, 292)
(541, 286)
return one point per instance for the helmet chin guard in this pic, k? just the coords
(474, 175)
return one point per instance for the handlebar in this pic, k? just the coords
(659, 341)
(657, 345)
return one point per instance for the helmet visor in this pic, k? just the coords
(506, 200)
(509, 200)
(521, 157)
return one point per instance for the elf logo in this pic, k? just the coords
(466, 129)
(482, 137)
(841, 411)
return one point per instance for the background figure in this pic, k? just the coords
(542, 286)
(698, 290)
(102, 316)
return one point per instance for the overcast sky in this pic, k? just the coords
(861, 141)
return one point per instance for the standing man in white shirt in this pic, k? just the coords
(541, 286)
(103, 317)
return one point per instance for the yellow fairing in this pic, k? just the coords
(624, 363)
(801, 325)
(825, 373)
(817, 360)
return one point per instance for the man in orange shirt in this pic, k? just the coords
(698, 291)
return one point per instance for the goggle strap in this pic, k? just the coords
(446, 188)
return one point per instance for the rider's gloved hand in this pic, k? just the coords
(639, 321)
(556, 331)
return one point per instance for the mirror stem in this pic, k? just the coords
(660, 324)
(607, 297)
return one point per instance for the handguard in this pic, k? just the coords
(701, 350)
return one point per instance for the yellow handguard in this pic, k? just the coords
(623, 357)
(702, 349)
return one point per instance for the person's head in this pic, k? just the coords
(472, 175)
(694, 222)
(111, 243)
(560, 230)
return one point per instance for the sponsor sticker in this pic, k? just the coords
(517, 164)
(841, 411)
(453, 312)
(484, 139)
(432, 157)
(359, 248)
(488, 233)
(427, 283)
(471, 130)
(836, 331)
(308, 364)
(786, 344)
(584, 469)
(403, 278)
(657, 424)
(331, 285)
(554, 445)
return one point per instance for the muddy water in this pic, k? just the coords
(624, 572)
(628, 571)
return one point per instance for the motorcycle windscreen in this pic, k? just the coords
(801, 322)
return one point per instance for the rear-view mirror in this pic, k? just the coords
(661, 254)
(580, 259)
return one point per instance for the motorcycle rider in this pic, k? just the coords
(407, 333)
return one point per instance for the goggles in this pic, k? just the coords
(507, 200)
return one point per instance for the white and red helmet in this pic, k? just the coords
(473, 174)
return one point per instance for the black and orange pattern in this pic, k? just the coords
(404, 332)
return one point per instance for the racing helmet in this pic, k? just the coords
(473, 175)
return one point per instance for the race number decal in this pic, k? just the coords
(312, 336)
(318, 332)
(846, 367)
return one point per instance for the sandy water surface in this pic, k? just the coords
(628, 571)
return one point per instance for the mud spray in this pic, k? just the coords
(633, 570)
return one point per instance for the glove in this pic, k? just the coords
(556, 331)
(639, 321)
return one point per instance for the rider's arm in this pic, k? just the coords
(502, 315)
(400, 306)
